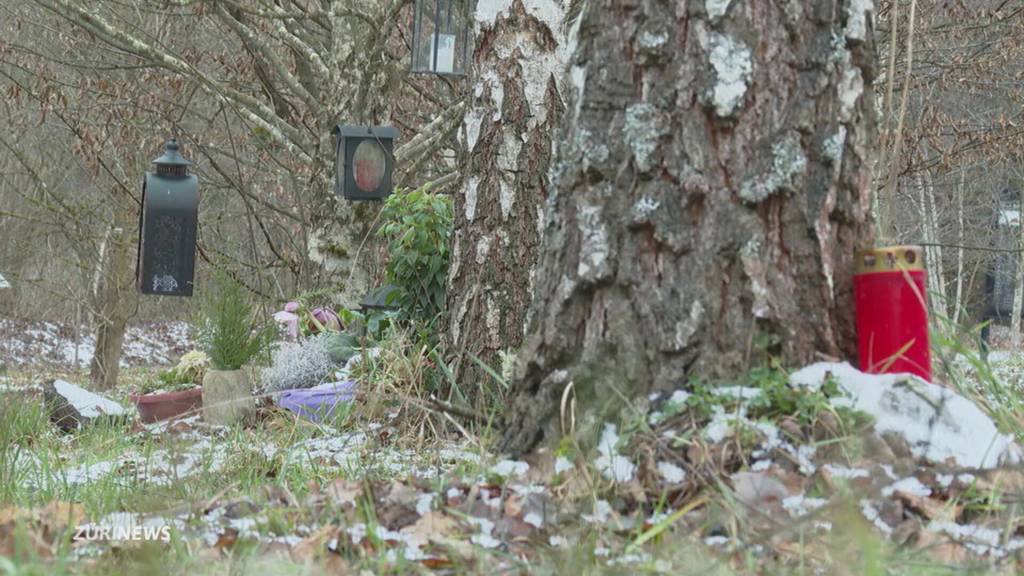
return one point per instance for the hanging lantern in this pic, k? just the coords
(440, 36)
(364, 161)
(167, 227)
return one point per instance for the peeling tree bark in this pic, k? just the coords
(519, 65)
(712, 181)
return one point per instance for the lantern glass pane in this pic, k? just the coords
(168, 239)
(426, 28)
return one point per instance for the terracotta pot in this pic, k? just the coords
(227, 396)
(156, 407)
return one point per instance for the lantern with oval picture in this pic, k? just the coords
(167, 226)
(364, 161)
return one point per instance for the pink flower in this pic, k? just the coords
(289, 318)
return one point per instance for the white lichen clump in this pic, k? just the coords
(717, 8)
(643, 127)
(594, 246)
(834, 145)
(857, 18)
(731, 61)
(788, 162)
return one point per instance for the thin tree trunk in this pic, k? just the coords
(958, 302)
(114, 303)
(1018, 287)
(933, 252)
(711, 182)
(519, 65)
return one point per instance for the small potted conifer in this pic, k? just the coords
(232, 333)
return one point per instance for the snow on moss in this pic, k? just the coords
(937, 423)
(731, 61)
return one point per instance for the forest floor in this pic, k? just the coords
(773, 474)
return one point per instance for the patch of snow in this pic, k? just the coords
(534, 519)
(671, 473)
(908, 485)
(484, 538)
(424, 503)
(801, 505)
(88, 404)
(602, 511)
(871, 513)
(844, 472)
(612, 465)
(509, 468)
(937, 423)
(563, 464)
(978, 539)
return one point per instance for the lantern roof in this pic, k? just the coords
(172, 155)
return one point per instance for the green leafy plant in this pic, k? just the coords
(169, 380)
(230, 329)
(417, 225)
(188, 373)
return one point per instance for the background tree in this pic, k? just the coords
(519, 68)
(712, 184)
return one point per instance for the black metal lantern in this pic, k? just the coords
(440, 36)
(167, 227)
(364, 161)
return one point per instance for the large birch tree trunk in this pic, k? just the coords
(514, 111)
(711, 183)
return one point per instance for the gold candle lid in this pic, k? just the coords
(890, 259)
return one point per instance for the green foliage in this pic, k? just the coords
(230, 329)
(779, 399)
(417, 225)
(167, 381)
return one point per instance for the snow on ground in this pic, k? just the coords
(938, 423)
(46, 343)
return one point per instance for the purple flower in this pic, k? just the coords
(324, 318)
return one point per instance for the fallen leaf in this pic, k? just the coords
(434, 526)
(226, 539)
(315, 543)
(344, 493)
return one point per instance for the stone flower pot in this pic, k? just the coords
(156, 407)
(227, 396)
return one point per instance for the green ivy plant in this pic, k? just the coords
(230, 330)
(417, 225)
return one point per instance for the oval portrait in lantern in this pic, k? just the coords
(364, 161)
(370, 163)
